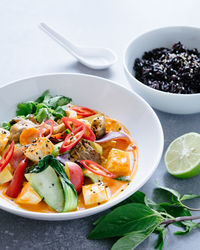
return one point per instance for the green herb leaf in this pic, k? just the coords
(133, 239)
(6, 125)
(56, 101)
(42, 115)
(26, 108)
(189, 197)
(165, 194)
(59, 112)
(43, 96)
(125, 219)
(162, 231)
(44, 107)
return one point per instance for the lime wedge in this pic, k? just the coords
(182, 158)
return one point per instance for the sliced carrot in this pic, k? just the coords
(28, 135)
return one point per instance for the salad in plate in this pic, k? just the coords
(59, 157)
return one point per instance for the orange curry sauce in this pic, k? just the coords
(114, 187)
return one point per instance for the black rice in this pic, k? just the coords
(174, 70)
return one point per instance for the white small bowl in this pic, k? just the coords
(163, 37)
(107, 97)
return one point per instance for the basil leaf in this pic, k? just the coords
(188, 226)
(26, 108)
(42, 115)
(189, 197)
(161, 237)
(59, 112)
(56, 101)
(125, 219)
(133, 239)
(164, 194)
(6, 125)
(42, 97)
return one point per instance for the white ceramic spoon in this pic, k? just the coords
(95, 58)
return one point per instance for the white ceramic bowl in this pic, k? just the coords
(163, 37)
(99, 94)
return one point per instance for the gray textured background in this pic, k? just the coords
(25, 51)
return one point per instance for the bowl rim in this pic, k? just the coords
(140, 36)
(107, 205)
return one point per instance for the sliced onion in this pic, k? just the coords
(63, 158)
(114, 136)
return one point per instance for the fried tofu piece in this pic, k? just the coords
(4, 137)
(94, 194)
(39, 149)
(118, 162)
(28, 196)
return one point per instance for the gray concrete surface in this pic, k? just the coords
(25, 51)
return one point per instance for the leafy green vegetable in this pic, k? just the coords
(71, 197)
(133, 239)
(42, 97)
(137, 217)
(189, 197)
(125, 219)
(162, 231)
(26, 108)
(54, 102)
(6, 125)
(44, 107)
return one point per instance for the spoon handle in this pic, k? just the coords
(66, 44)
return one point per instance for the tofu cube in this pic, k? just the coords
(28, 196)
(4, 137)
(118, 162)
(39, 149)
(5, 175)
(94, 194)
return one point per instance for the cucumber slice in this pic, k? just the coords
(48, 186)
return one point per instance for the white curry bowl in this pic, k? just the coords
(163, 37)
(99, 94)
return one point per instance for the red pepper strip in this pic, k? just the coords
(97, 169)
(72, 139)
(42, 128)
(15, 186)
(83, 111)
(7, 156)
(71, 123)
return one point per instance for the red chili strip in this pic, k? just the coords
(72, 139)
(43, 128)
(15, 186)
(72, 124)
(7, 156)
(97, 169)
(83, 111)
